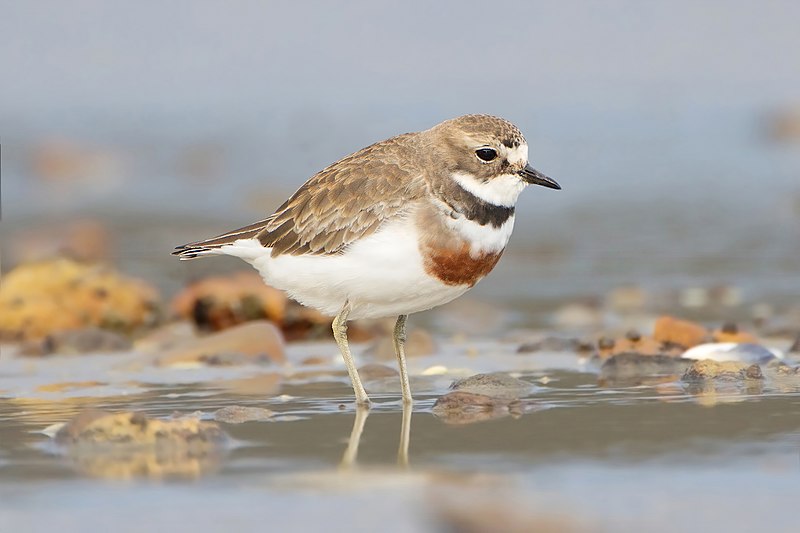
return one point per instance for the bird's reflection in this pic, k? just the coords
(350, 456)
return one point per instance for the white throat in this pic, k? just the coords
(502, 190)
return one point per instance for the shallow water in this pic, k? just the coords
(577, 455)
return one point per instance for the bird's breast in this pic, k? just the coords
(457, 250)
(457, 265)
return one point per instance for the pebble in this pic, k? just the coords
(78, 341)
(237, 414)
(634, 342)
(632, 366)
(556, 344)
(253, 342)
(730, 332)
(731, 351)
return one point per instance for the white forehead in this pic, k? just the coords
(518, 154)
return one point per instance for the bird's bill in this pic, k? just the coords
(534, 177)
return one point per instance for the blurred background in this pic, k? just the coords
(128, 128)
(674, 128)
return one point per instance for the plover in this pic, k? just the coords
(401, 226)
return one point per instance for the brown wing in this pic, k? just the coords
(342, 203)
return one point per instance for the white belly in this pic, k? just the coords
(380, 275)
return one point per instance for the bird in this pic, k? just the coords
(401, 226)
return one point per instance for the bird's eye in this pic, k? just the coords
(486, 154)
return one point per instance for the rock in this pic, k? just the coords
(782, 369)
(634, 342)
(253, 342)
(220, 302)
(632, 367)
(495, 384)
(166, 337)
(125, 445)
(461, 407)
(729, 332)
(556, 344)
(730, 351)
(681, 332)
(78, 341)
(418, 343)
(237, 414)
(371, 372)
(726, 370)
(38, 299)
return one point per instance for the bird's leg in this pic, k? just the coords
(405, 435)
(400, 351)
(340, 334)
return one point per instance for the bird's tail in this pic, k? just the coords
(214, 245)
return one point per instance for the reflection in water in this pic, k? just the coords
(351, 452)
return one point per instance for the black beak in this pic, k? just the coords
(534, 177)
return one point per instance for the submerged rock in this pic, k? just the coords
(237, 414)
(125, 445)
(725, 371)
(253, 342)
(714, 382)
(39, 299)
(461, 407)
(495, 384)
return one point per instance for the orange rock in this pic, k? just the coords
(634, 343)
(682, 332)
(220, 302)
(37, 299)
(730, 333)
